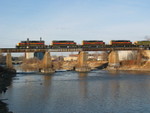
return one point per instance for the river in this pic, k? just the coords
(71, 92)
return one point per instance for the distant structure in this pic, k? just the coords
(38, 55)
(29, 55)
(127, 55)
(94, 56)
(71, 57)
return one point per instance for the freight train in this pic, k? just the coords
(55, 44)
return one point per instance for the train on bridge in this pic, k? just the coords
(56, 44)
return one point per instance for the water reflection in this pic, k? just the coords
(82, 75)
(47, 83)
(71, 92)
(83, 84)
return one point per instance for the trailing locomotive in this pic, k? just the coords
(31, 44)
(63, 44)
(92, 43)
(144, 43)
(121, 43)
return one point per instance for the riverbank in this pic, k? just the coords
(61, 65)
(4, 108)
(129, 68)
(5, 80)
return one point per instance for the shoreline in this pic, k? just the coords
(127, 69)
(5, 81)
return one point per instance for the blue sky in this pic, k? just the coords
(73, 20)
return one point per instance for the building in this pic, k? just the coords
(38, 55)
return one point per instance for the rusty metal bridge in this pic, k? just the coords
(82, 56)
(16, 50)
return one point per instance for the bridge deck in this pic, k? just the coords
(15, 50)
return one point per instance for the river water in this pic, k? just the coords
(72, 92)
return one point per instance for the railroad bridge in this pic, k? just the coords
(81, 63)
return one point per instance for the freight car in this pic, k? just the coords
(31, 44)
(63, 44)
(144, 43)
(92, 43)
(121, 43)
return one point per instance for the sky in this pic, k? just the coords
(73, 20)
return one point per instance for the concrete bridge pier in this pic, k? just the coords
(9, 61)
(139, 57)
(47, 66)
(113, 59)
(82, 65)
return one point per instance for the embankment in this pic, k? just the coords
(5, 80)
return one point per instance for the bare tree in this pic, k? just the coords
(147, 37)
(105, 55)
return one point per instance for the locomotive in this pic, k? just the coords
(144, 43)
(120, 43)
(92, 43)
(31, 44)
(63, 44)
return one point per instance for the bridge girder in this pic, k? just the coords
(15, 50)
